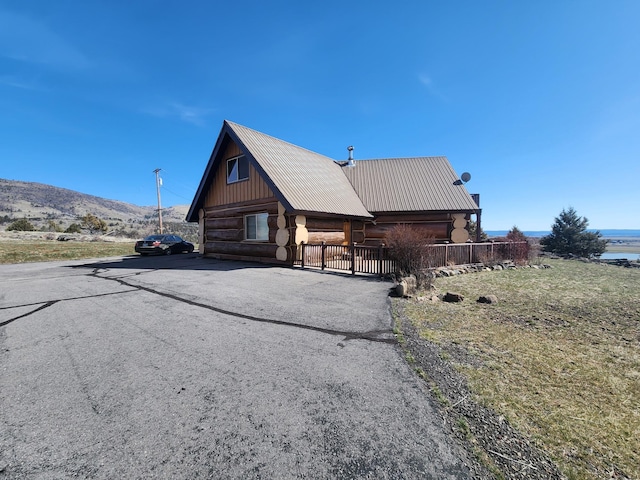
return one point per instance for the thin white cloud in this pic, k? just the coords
(425, 80)
(186, 113)
(428, 83)
(15, 82)
(195, 115)
(27, 40)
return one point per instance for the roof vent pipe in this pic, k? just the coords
(351, 162)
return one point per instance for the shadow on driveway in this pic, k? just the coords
(196, 262)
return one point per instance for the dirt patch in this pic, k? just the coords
(501, 451)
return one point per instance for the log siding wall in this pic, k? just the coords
(438, 225)
(225, 208)
(225, 236)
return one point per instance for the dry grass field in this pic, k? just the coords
(558, 356)
(21, 251)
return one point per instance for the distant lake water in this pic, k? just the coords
(607, 233)
(624, 237)
(628, 256)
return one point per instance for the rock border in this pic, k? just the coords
(453, 270)
(406, 286)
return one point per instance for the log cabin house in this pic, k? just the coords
(260, 197)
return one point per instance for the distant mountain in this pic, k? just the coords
(41, 204)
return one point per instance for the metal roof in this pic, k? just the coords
(302, 180)
(308, 182)
(409, 185)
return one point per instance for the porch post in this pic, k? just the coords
(201, 230)
(478, 226)
(353, 258)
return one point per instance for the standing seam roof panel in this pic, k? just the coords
(409, 184)
(309, 181)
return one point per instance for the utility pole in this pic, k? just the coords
(158, 183)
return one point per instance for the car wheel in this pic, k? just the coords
(168, 251)
(190, 250)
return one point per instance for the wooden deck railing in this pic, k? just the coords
(377, 260)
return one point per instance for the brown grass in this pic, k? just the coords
(559, 356)
(50, 250)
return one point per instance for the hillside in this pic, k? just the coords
(42, 204)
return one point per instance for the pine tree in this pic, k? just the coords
(21, 225)
(93, 224)
(569, 236)
(516, 235)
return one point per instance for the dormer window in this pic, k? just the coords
(237, 169)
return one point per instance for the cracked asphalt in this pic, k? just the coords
(184, 367)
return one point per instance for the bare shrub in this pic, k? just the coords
(488, 259)
(520, 246)
(535, 250)
(412, 250)
(515, 247)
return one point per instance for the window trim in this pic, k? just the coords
(237, 159)
(256, 216)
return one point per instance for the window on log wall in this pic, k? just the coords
(256, 227)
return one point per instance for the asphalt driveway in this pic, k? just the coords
(184, 367)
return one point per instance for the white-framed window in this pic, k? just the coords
(237, 169)
(256, 227)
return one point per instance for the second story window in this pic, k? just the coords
(237, 169)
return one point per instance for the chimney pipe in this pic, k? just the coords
(351, 162)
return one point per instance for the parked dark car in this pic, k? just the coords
(163, 244)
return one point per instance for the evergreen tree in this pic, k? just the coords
(73, 228)
(93, 224)
(52, 226)
(22, 225)
(473, 228)
(569, 236)
(516, 235)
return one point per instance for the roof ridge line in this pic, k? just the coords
(232, 124)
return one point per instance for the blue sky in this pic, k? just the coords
(539, 101)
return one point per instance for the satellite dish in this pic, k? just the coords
(465, 177)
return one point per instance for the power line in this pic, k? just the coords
(168, 174)
(176, 194)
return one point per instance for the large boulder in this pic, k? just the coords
(406, 286)
(490, 299)
(452, 297)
